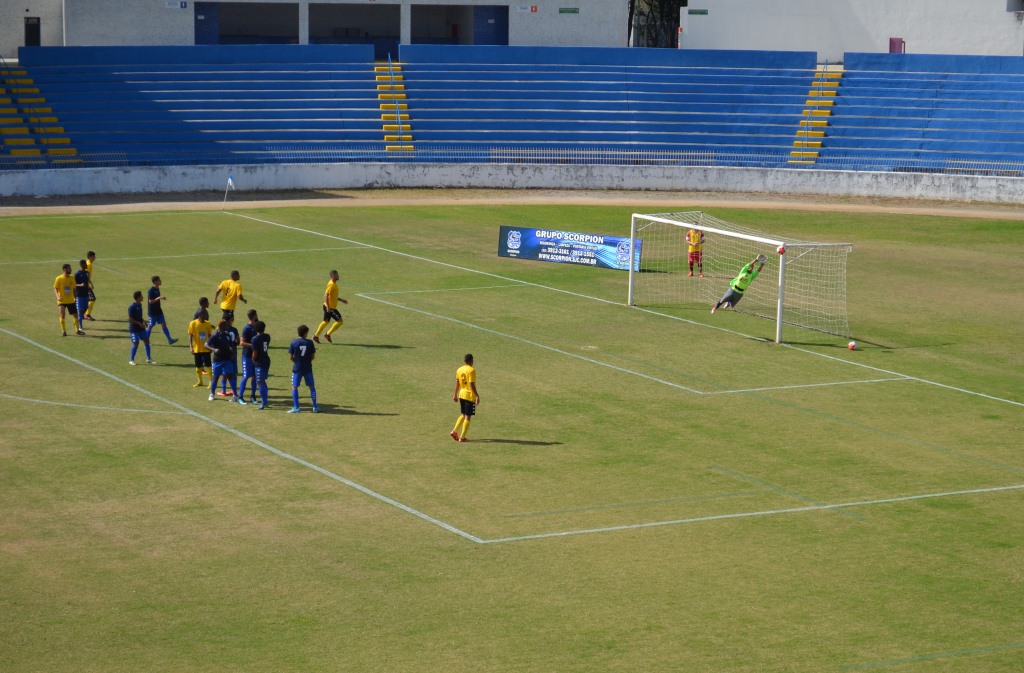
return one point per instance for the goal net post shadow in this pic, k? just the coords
(804, 286)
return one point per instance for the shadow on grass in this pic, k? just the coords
(519, 442)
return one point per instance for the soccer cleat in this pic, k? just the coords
(316, 410)
(63, 333)
(713, 309)
(261, 407)
(316, 338)
(131, 362)
(691, 274)
(199, 385)
(89, 317)
(294, 410)
(222, 393)
(253, 400)
(239, 400)
(463, 439)
(702, 275)
(329, 339)
(80, 332)
(212, 398)
(454, 435)
(150, 362)
(171, 342)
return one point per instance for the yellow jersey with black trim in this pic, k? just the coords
(88, 267)
(466, 376)
(65, 287)
(331, 293)
(232, 290)
(199, 332)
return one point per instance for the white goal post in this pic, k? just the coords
(810, 287)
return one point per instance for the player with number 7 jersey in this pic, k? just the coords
(302, 351)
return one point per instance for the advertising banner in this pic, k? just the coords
(568, 247)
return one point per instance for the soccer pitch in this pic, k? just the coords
(645, 489)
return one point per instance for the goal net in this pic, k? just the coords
(803, 287)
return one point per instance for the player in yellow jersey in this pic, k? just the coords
(695, 248)
(331, 300)
(467, 396)
(232, 291)
(64, 289)
(199, 332)
(89, 259)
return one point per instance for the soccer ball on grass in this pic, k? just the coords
(852, 345)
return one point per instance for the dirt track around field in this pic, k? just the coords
(643, 201)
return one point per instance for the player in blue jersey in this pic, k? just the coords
(261, 360)
(82, 288)
(302, 351)
(156, 310)
(235, 339)
(137, 328)
(223, 349)
(248, 365)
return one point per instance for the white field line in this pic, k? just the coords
(263, 445)
(89, 406)
(197, 254)
(744, 515)
(608, 301)
(805, 385)
(536, 344)
(448, 289)
(445, 526)
(425, 259)
(907, 376)
(934, 656)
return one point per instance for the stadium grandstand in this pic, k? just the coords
(449, 104)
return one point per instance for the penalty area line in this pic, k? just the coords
(94, 407)
(249, 438)
(615, 303)
(536, 344)
(806, 385)
(747, 515)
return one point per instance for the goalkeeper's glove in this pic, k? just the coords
(762, 258)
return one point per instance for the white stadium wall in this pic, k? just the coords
(590, 23)
(12, 23)
(833, 27)
(965, 188)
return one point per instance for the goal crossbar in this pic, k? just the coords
(814, 270)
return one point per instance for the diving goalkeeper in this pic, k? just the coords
(739, 284)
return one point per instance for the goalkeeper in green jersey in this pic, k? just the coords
(739, 284)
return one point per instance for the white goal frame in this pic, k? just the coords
(707, 224)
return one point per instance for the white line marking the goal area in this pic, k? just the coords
(180, 408)
(897, 376)
(655, 379)
(249, 438)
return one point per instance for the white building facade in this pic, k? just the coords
(591, 23)
(828, 27)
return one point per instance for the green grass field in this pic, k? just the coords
(643, 491)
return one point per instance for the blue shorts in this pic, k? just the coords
(155, 320)
(82, 304)
(223, 369)
(261, 373)
(137, 336)
(248, 366)
(298, 377)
